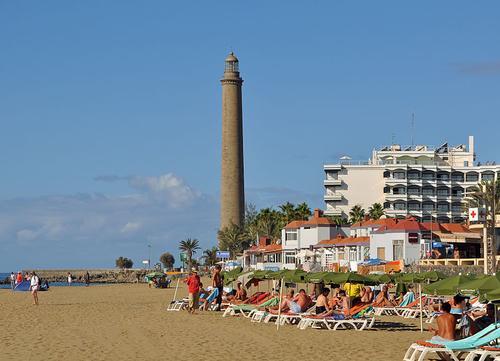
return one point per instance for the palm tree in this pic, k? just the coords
(289, 213)
(233, 239)
(356, 214)
(303, 211)
(376, 211)
(269, 223)
(189, 246)
(487, 194)
(337, 220)
(210, 256)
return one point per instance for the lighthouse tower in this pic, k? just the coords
(232, 199)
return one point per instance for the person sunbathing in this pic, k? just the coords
(240, 296)
(284, 302)
(382, 299)
(366, 295)
(446, 324)
(322, 304)
(297, 304)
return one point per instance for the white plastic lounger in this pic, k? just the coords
(483, 353)
(178, 305)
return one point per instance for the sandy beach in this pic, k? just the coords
(130, 322)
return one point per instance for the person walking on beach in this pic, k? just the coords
(19, 278)
(193, 283)
(86, 278)
(218, 283)
(70, 279)
(34, 287)
(12, 281)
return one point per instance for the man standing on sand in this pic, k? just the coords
(70, 278)
(34, 287)
(218, 283)
(12, 281)
(446, 326)
(86, 278)
(193, 283)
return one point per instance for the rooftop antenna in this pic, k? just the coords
(412, 128)
(393, 139)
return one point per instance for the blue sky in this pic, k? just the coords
(110, 111)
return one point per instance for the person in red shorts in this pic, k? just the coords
(193, 283)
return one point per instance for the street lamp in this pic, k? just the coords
(149, 256)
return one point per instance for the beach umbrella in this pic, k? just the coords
(433, 276)
(294, 276)
(155, 274)
(380, 278)
(482, 285)
(448, 286)
(315, 277)
(347, 277)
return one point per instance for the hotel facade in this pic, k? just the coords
(427, 183)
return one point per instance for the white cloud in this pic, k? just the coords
(131, 227)
(92, 230)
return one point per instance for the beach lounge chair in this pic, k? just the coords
(178, 305)
(333, 323)
(290, 317)
(481, 354)
(247, 309)
(453, 349)
(209, 300)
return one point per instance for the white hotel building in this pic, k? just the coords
(420, 180)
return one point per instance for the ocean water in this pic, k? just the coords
(51, 284)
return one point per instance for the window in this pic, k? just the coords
(428, 207)
(399, 175)
(381, 253)
(472, 177)
(457, 192)
(428, 175)
(291, 235)
(413, 175)
(413, 191)
(466, 163)
(428, 192)
(398, 190)
(488, 176)
(443, 192)
(412, 237)
(340, 253)
(443, 177)
(352, 254)
(457, 177)
(443, 207)
(328, 259)
(413, 206)
(397, 250)
(399, 206)
(290, 257)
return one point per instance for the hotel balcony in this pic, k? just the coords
(332, 197)
(332, 167)
(332, 182)
(333, 212)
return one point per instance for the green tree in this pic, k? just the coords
(303, 211)
(124, 262)
(270, 223)
(189, 246)
(250, 227)
(210, 256)
(487, 194)
(288, 211)
(168, 260)
(376, 211)
(338, 220)
(356, 214)
(233, 239)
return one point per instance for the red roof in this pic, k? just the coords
(295, 224)
(343, 241)
(375, 222)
